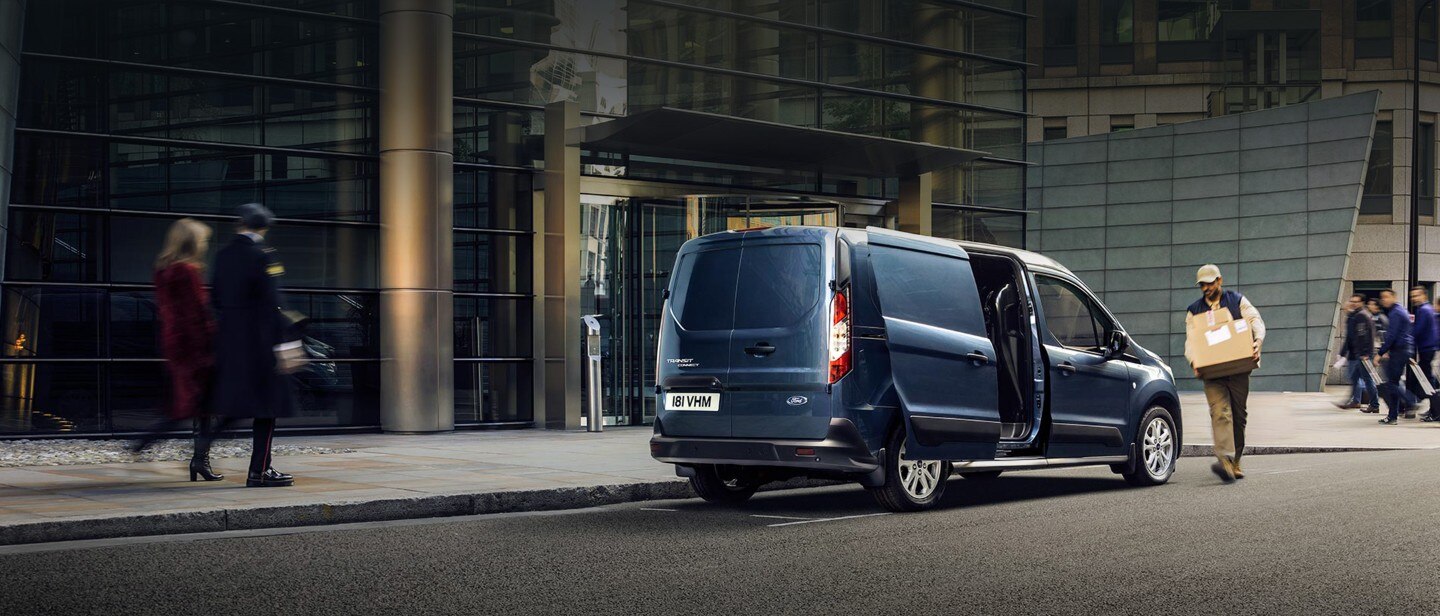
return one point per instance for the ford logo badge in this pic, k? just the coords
(796, 400)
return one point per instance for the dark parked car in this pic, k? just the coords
(895, 360)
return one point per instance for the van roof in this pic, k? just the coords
(1030, 259)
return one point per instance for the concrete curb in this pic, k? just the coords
(436, 506)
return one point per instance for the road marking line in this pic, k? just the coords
(655, 509)
(848, 517)
(1293, 470)
(779, 517)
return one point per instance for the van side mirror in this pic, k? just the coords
(1117, 344)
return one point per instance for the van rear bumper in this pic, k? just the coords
(843, 451)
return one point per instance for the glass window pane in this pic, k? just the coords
(497, 136)
(343, 326)
(486, 199)
(54, 247)
(490, 263)
(58, 171)
(46, 398)
(1061, 23)
(137, 395)
(211, 181)
(1379, 178)
(1067, 315)
(324, 257)
(782, 285)
(493, 327)
(976, 226)
(319, 188)
(333, 393)
(1117, 22)
(53, 322)
(134, 324)
(487, 392)
(666, 33)
(1187, 20)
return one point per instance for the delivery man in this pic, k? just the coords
(1227, 395)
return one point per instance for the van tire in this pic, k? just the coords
(726, 485)
(1157, 447)
(892, 495)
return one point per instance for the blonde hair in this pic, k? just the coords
(184, 243)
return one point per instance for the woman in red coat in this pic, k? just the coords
(187, 338)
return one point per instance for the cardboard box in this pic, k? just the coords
(1220, 346)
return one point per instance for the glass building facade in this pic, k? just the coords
(133, 113)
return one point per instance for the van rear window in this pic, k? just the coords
(772, 285)
(705, 289)
(779, 284)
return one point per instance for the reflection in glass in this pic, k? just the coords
(137, 395)
(53, 247)
(50, 398)
(336, 394)
(343, 326)
(492, 263)
(324, 257)
(53, 322)
(489, 199)
(58, 171)
(134, 324)
(492, 327)
(490, 392)
(977, 226)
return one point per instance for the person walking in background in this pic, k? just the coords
(1395, 350)
(187, 340)
(1228, 395)
(1358, 348)
(252, 333)
(1427, 337)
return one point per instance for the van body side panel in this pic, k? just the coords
(940, 356)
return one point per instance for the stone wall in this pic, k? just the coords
(1270, 196)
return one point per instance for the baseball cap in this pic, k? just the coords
(1207, 273)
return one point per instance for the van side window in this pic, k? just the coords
(1069, 318)
(938, 291)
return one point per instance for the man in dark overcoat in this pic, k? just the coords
(251, 329)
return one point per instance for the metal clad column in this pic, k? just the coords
(560, 409)
(417, 379)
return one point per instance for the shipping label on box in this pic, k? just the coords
(1220, 346)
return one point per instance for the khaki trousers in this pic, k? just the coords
(1227, 396)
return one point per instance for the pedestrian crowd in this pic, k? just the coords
(1389, 351)
(228, 351)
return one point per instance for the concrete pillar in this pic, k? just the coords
(559, 408)
(915, 204)
(417, 378)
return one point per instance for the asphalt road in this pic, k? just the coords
(1341, 533)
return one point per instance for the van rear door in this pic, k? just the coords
(694, 346)
(779, 358)
(941, 359)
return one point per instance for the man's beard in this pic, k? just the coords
(1212, 295)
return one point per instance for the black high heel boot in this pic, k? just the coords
(200, 468)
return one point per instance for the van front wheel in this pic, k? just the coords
(1156, 449)
(910, 485)
(724, 484)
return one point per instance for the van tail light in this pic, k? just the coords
(840, 353)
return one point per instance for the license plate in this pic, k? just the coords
(692, 402)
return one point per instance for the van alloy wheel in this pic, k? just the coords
(1157, 443)
(1158, 448)
(918, 477)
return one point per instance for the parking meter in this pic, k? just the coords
(595, 418)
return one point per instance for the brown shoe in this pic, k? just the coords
(1347, 405)
(1235, 468)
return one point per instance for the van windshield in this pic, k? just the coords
(772, 285)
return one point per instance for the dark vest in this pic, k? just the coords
(1228, 299)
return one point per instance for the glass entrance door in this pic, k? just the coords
(628, 252)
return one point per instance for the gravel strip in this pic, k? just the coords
(59, 452)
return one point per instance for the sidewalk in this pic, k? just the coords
(404, 476)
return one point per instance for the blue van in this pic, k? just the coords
(896, 360)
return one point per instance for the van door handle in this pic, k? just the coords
(763, 348)
(1067, 367)
(977, 357)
